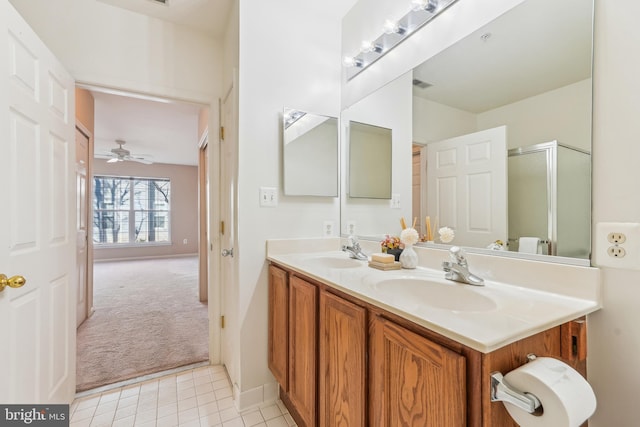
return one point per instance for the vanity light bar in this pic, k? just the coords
(394, 32)
(292, 116)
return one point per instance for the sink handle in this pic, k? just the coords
(457, 255)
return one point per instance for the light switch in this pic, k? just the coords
(268, 197)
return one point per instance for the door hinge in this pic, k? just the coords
(222, 227)
(222, 322)
(222, 133)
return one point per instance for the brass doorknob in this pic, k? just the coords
(12, 282)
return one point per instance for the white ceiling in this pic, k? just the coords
(536, 47)
(207, 16)
(165, 131)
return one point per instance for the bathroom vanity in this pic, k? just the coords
(351, 345)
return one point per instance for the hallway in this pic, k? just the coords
(147, 319)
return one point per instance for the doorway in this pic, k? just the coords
(136, 266)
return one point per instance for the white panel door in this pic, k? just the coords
(37, 221)
(82, 206)
(228, 238)
(467, 186)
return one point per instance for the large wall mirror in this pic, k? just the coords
(310, 150)
(501, 127)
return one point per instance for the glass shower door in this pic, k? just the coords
(529, 196)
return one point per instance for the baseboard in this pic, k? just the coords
(255, 397)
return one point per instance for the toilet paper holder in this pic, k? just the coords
(502, 392)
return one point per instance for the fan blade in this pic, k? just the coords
(140, 160)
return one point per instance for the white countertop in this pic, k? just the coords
(498, 314)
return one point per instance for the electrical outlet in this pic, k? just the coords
(351, 228)
(327, 228)
(616, 251)
(616, 238)
(395, 201)
(617, 245)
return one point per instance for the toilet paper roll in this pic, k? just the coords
(567, 398)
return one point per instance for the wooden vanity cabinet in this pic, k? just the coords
(293, 338)
(303, 339)
(343, 362)
(414, 381)
(342, 375)
(278, 329)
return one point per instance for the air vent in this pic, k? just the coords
(420, 84)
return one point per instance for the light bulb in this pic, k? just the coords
(428, 5)
(368, 46)
(390, 26)
(350, 61)
(417, 5)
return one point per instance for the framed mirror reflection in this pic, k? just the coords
(527, 76)
(310, 154)
(370, 163)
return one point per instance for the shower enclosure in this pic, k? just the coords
(550, 198)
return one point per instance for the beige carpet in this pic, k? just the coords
(147, 319)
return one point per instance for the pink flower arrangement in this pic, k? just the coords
(390, 242)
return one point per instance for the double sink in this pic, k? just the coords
(484, 318)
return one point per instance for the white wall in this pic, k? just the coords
(614, 341)
(289, 56)
(113, 47)
(449, 121)
(562, 114)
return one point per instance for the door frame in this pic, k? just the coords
(213, 245)
(229, 266)
(89, 220)
(203, 222)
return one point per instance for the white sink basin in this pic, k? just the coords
(436, 293)
(334, 262)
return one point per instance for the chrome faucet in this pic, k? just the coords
(354, 250)
(458, 270)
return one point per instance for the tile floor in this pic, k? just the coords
(196, 397)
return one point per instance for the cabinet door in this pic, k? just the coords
(278, 325)
(413, 381)
(303, 309)
(342, 348)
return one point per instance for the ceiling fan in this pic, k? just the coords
(120, 154)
